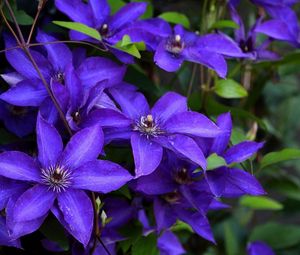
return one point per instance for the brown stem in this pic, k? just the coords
(39, 9)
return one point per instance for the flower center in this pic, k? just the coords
(104, 30)
(76, 117)
(175, 45)
(172, 197)
(57, 178)
(182, 176)
(17, 110)
(59, 76)
(147, 126)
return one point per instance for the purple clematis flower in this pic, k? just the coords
(96, 14)
(59, 177)
(168, 125)
(284, 23)
(30, 91)
(247, 42)
(258, 248)
(226, 181)
(174, 46)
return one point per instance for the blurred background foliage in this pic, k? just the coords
(270, 113)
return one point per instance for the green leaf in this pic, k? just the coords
(129, 47)
(21, 16)
(230, 89)
(224, 24)
(115, 5)
(231, 242)
(278, 236)
(260, 203)
(79, 27)
(214, 161)
(180, 226)
(145, 245)
(176, 18)
(279, 156)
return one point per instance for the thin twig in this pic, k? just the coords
(39, 9)
(9, 49)
(103, 245)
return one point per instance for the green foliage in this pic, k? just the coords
(260, 203)
(229, 88)
(145, 245)
(176, 18)
(214, 161)
(79, 27)
(129, 47)
(21, 16)
(224, 24)
(278, 236)
(279, 156)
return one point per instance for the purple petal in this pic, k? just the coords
(169, 244)
(49, 142)
(189, 148)
(198, 222)
(74, 87)
(276, 29)
(166, 60)
(59, 54)
(133, 104)
(147, 154)
(129, 13)
(212, 60)
(12, 78)
(168, 105)
(96, 69)
(100, 176)
(5, 239)
(233, 183)
(77, 210)
(20, 62)
(84, 146)
(242, 151)
(220, 43)
(192, 123)
(259, 247)
(164, 214)
(157, 183)
(76, 10)
(240, 32)
(108, 118)
(26, 93)
(9, 188)
(101, 11)
(220, 143)
(33, 203)
(19, 166)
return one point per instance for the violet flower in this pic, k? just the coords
(168, 125)
(59, 178)
(231, 181)
(96, 14)
(259, 248)
(169, 244)
(174, 46)
(247, 41)
(5, 239)
(31, 91)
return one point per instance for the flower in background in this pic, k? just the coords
(168, 125)
(259, 248)
(174, 46)
(96, 14)
(59, 178)
(247, 41)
